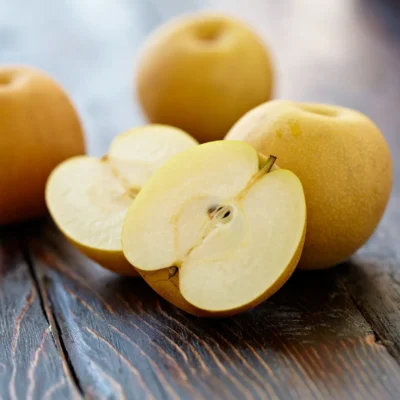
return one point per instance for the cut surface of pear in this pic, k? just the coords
(215, 231)
(88, 197)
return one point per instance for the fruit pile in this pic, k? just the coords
(214, 228)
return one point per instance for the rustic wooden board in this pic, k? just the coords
(308, 341)
(372, 280)
(31, 365)
(71, 329)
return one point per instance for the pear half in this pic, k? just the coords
(215, 231)
(88, 197)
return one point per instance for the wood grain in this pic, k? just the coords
(308, 341)
(30, 362)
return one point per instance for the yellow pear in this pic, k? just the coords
(39, 128)
(201, 73)
(343, 162)
(88, 197)
(215, 231)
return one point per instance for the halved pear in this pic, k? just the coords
(88, 197)
(215, 231)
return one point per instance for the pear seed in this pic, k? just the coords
(172, 271)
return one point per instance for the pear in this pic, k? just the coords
(343, 162)
(202, 72)
(88, 197)
(39, 128)
(216, 230)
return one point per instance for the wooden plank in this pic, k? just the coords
(30, 364)
(308, 341)
(372, 278)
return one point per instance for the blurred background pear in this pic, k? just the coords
(39, 128)
(202, 72)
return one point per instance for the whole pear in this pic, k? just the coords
(343, 162)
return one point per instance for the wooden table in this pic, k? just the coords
(69, 329)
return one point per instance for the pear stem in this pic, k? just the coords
(267, 165)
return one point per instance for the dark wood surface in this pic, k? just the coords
(71, 330)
